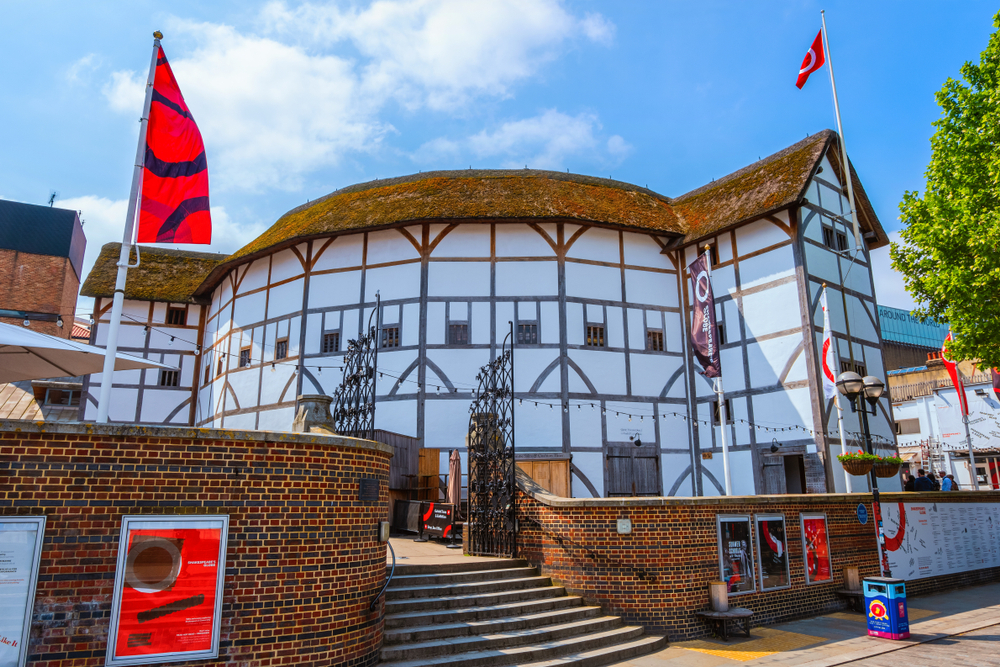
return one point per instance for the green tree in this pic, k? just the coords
(950, 250)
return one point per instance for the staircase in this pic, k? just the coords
(490, 613)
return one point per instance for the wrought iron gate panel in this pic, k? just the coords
(354, 399)
(492, 501)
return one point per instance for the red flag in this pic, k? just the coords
(956, 380)
(175, 178)
(813, 61)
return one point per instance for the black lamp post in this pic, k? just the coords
(854, 388)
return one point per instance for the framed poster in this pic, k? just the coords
(772, 552)
(167, 604)
(816, 549)
(736, 553)
(20, 555)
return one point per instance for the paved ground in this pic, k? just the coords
(955, 628)
(409, 552)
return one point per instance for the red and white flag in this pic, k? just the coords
(829, 362)
(813, 61)
(956, 379)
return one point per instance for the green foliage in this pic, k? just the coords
(858, 456)
(891, 460)
(950, 250)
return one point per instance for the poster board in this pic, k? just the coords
(931, 539)
(736, 561)
(772, 552)
(167, 604)
(20, 556)
(816, 549)
(438, 518)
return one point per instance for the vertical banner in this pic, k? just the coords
(816, 548)
(772, 552)
(703, 326)
(167, 602)
(20, 555)
(736, 554)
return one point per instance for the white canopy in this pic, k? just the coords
(29, 355)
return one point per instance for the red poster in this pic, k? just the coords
(168, 591)
(817, 550)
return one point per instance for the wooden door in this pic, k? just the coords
(632, 471)
(774, 475)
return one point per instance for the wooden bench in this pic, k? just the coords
(720, 620)
(855, 599)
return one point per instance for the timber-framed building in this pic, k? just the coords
(592, 274)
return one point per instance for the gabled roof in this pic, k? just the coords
(163, 274)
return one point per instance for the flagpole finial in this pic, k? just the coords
(824, 285)
(158, 35)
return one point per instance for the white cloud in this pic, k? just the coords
(104, 222)
(280, 104)
(81, 70)
(889, 289)
(544, 141)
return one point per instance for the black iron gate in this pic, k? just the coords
(492, 522)
(354, 399)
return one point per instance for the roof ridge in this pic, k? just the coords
(170, 252)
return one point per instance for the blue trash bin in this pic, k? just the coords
(885, 607)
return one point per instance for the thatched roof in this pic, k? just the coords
(163, 274)
(502, 195)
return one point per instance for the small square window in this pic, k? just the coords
(654, 340)
(331, 342)
(458, 334)
(846, 366)
(595, 335)
(62, 397)
(527, 333)
(841, 241)
(713, 254)
(219, 371)
(176, 316)
(390, 336)
(715, 412)
(244, 357)
(829, 238)
(281, 349)
(722, 333)
(169, 378)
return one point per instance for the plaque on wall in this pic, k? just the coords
(167, 604)
(816, 549)
(736, 554)
(772, 552)
(369, 488)
(20, 555)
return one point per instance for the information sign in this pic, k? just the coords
(20, 555)
(816, 547)
(736, 554)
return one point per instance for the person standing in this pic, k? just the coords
(948, 483)
(921, 483)
(907, 481)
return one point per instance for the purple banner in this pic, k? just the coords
(704, 333)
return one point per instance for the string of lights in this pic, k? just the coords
(607, 409)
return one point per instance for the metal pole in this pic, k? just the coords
(840, 131)
(723, 418)
(962, 400)
(843, 439)
(513, 450)
(111, 349)
(876, 505)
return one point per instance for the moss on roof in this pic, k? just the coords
(471, 195)
(162, 275)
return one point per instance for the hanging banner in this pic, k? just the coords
(816, 547)
(167, 604)
(772, 552)
(736, 554)
(704, 332)
(20, 555)
(931, 539)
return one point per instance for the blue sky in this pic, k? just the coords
(296, 100)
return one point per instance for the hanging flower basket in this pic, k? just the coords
(888, 467)
(858, 463)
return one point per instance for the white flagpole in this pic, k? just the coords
(840, 131)
(107, 376)
(843, 440)
(720, 394)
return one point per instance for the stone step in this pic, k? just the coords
(519, 655)
(405, 569)
(421, 617)
(406, 581)
(606, 655)
(484, 600)
(493, 641)
(467, 588)
(505, 623)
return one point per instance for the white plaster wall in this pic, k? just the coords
(527, 278)
(328, 290)
(253, 276)
(593, 282)
(643, 250)
(768, 358)
(763, 318)
(516, 241)
(585, 426)
(674, 466)
(590, 464)
(651, 288)
(389, 246)
(767, 267)
(466, 240)
(285, 265)
(596, 244)
(392, 282)
(344, 251)
(759, 235)
(606, 370)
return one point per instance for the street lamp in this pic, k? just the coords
(854, 388)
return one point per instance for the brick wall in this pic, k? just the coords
(658, 575)
(40, 284)
(303, 559)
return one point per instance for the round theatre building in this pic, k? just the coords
(591, 276)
